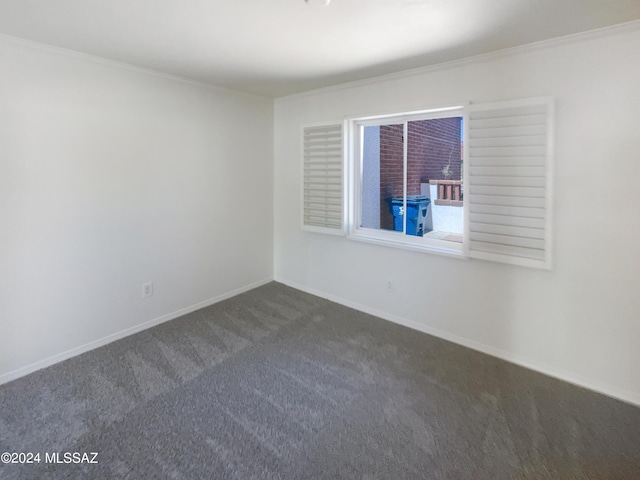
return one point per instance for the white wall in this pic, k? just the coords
(580, 322)
(111, 177)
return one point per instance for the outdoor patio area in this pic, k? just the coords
(451, 237)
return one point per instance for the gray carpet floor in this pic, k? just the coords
(279, 384)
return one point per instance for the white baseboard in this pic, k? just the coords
(625, 396)
(21, 372)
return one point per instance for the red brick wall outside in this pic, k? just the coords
(430, 145)
(391, 170)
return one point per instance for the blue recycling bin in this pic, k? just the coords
(417, 206)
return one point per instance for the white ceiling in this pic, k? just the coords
(280, 47)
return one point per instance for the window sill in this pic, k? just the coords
(416, 244)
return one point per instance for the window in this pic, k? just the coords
(407, 179)
(471, 181)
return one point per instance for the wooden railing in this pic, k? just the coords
(449, 192)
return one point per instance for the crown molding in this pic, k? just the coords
(43, 47)
(507, 52)
(483, 57)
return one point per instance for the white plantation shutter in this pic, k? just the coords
(508, 183)
(323, 179)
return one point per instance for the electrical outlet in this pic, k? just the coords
(147, 290)
(390, 286)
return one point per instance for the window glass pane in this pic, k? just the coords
(434, 178)
(382, 176)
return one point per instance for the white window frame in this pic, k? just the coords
(508, 175)
(354, 164)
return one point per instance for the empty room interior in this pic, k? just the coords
(296, 239)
